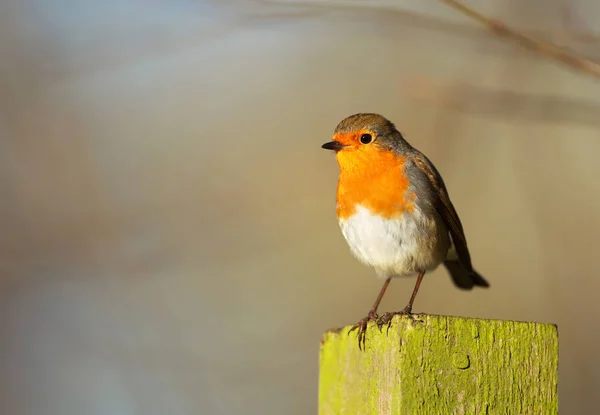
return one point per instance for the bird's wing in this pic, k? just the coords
(443, 205)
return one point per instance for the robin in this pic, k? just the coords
(394, 210)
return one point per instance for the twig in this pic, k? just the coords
(567, 57)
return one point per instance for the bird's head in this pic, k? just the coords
(366, 141)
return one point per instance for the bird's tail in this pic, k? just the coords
(463, 278)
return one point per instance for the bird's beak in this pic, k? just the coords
(333, 145)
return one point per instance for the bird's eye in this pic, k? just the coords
(366, 138)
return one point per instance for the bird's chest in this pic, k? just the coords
(385, 193)
(382, 223)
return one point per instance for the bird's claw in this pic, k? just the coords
(361, 326)
(386, 318)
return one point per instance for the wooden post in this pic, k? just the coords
(441, 365)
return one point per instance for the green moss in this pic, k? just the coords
(441, 365)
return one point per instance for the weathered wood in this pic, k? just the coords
(441, 365)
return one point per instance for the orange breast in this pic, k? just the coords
(374, 179)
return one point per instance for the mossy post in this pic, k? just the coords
(441, 365)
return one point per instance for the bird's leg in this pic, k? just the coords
(386, 318)
(362, 324)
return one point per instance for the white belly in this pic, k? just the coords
(396, 247)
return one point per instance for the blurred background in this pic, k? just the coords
(168, 239)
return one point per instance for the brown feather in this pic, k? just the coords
(446, 210)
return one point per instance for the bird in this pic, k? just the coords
(395, 212)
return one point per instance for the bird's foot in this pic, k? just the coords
(361, 326)
(386, 318)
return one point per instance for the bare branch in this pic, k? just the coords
(569, 58)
